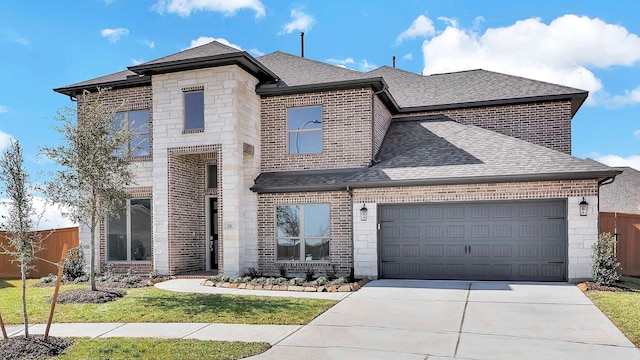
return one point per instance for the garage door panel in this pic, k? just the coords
(512, 240)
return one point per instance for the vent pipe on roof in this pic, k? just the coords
(302, 43)
(393, 60)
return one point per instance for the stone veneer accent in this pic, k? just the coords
(339, 247)
(542, 123)
(346, 130)
(232, 118)
(582, 231)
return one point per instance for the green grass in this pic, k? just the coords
(166, 349)
(150, 304)
(623, 308)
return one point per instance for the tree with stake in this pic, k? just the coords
(23, 241)
(95, 165)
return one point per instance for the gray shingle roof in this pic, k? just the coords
(295, 70)
(310, 179)
(623, 195)
(415, 90)
(453, 150)
(443, 151)
(213, 48)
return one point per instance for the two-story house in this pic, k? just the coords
(282, 162)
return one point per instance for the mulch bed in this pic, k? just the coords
(33, 347)
(588, 286)
(87, 296)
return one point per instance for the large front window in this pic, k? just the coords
(129, 232)
(302, 232)
(138, 124)
(304, 129)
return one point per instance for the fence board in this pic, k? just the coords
(52, 251)
(627, 230)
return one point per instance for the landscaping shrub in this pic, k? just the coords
(320, 281)
(331, 273)
(604, 267)
(253, 273)
(297, 281)
(339, 281)
(74, 264)
(48, 279)
(283, 271)
(308, 274)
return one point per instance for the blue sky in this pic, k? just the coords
(593, 45)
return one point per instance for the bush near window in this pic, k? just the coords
(74, 264)
(604, 267)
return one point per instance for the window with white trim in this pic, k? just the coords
(302, 232)
(129, 232)
(304, 130)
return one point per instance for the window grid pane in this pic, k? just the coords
(129, 233)
(303, 243)
(304, 127)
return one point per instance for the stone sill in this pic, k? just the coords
(325, 288)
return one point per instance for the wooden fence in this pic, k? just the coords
(52, 251)
(626, 227)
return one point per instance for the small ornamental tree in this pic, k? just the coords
(604, 266)
(95, 165)
(23, 242)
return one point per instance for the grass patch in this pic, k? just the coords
(623, 308)
(166, 349)
(150, 304)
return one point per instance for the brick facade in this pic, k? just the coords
(340, 232)
(542, 123)
(346, 130)
(381, 122)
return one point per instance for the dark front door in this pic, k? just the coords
(213, 233)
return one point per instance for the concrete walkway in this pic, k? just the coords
(201, 331)
(396, 319)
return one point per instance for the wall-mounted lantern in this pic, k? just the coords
(584, 207)
(363, 213)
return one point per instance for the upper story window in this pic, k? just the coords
(304, 130)
(138, 123)
(194, 110)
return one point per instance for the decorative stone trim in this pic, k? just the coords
(324, 288)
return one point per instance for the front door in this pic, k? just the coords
(213, 233)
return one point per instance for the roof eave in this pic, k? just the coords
(572, 96)
(242, 59)
(119, 84)
(596, 175)
(377, 84)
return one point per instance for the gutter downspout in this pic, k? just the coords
(373, 117)
(352, 270)
(608, 181)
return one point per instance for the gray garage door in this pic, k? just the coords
(523, 240)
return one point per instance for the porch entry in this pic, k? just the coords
(212, 233)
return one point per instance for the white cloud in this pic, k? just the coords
(149, 43)
(20, 40)
(184, 8)
(5, 140)
(629, 97)
(207, 39)
(615, 160)
(256, 52)
(113, 35)
(449, 21)
(301, 21)
(408, 56)
(342, 62)
(421, 26)
(477, 22)
(47, 216)
(366, 66)
(137, 61)
(3, 109)
(637, 134)
(559, 52)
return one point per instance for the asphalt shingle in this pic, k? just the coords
(623, 195)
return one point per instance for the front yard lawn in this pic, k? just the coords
(149, 304)
(166, 349)
(623, 308)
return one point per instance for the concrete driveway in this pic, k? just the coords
(414, 319)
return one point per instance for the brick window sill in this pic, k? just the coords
(194, 131)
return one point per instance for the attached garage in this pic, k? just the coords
(498, 240)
